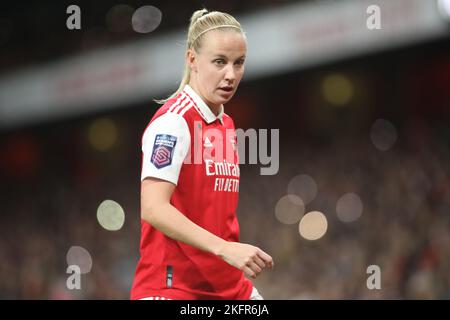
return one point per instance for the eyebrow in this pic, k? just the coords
(225, 57)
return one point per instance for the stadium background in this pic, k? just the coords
(55, 173)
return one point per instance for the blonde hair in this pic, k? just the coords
(201, 22)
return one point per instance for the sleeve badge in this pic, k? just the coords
(163, 150)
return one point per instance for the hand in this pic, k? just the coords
(250, 259)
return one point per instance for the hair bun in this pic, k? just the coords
(198, 14)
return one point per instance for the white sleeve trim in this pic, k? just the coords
(167, 124)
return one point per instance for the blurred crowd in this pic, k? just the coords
(404, 227)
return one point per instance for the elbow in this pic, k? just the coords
(148, 213)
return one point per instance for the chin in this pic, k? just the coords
(222, 100)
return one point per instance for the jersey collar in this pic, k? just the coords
(201, 106)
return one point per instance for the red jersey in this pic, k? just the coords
(186, 144)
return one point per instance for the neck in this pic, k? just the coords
(214, 108)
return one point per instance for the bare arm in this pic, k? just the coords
(157, 210)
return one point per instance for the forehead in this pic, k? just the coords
(227, 42)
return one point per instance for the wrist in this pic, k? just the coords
(219, 245)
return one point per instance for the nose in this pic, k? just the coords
(230, 73)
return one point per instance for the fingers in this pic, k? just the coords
(268, 261)
(259, 262)
(249, 272)
(255, 268)
(250, 259)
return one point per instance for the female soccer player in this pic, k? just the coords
(190, 178)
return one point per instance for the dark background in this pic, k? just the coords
(52, 180)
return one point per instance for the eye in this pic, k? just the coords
(240, 62)
(219, 62)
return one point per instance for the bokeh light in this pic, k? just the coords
(102, 134)
(383, 134)
(337, 89)
(303, 186)
(20, 157)
(118, 18)
(313, 225)
(146, 19)
(80, 257)
(289, 209)
(349, 207)
(110, 215)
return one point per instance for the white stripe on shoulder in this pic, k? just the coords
(180, 99)
(181, 106)
(190, 105)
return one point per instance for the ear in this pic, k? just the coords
(191, 60)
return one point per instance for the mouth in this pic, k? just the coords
(227, 89)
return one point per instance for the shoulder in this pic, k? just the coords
(178, 107)
(171, 112)
(167, 120)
